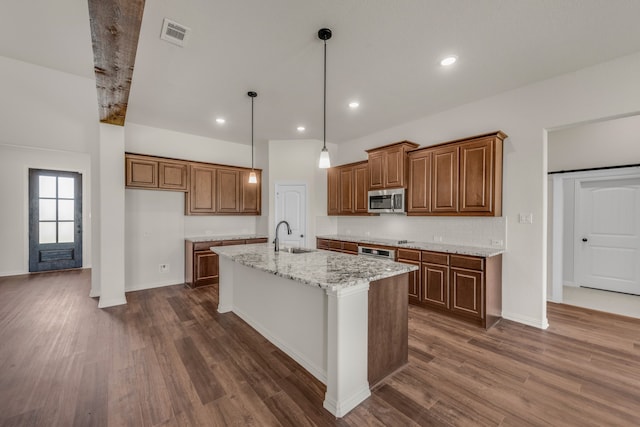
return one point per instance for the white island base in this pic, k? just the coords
(344, 318)
(325, 331)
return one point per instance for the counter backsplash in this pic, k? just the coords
(473, 231)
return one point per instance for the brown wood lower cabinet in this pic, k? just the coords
(337, 246)
(201, 264)
(463, 286)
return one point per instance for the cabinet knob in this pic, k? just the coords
(302, 235)
(584, 239)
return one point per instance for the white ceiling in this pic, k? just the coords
(383, 53)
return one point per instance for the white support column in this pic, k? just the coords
(225, 286)
(557, 239)
(347, 352)
(111, 216)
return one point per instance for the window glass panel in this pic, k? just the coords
(47, 211)
(47, 232)
(47, 186)
(65, 210)
(65, 188)
(65, 232)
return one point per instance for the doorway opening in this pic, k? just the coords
(55, 220)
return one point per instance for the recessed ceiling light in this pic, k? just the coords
(301, 128)
(354, 104)
(220, 120)
(449, 60)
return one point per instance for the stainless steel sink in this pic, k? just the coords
(297, 250)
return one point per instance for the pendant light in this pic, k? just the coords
(324, 162)
(253, 179)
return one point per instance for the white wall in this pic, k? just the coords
(48, 120)
(155, 223)
(525, 114)
(296, 161)
(604, 143)
(15, 162)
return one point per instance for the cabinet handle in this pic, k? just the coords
(584, 239)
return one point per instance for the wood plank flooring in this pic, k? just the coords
(168, 358)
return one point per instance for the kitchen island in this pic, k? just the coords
(342, 317)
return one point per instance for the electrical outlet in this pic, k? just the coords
(164, 268)
(525, 218)
(437, 239)
(497, 242)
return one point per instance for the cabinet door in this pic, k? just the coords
(476, 176)
(250, 194)
(333, 191)
(419, 199)
(205, 264)
(141, 172)
(376, 174)
(414, 281)
(444, 187)
(467, 292)
(346, 190)
(361, 187)
(202, 198)
(172, 176)
(435, 285)
(228, 190)
(393, 162)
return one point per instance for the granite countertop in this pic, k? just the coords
(196, 239)
(325, 269)
(478, 251)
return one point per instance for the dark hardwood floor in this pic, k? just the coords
(168, 358)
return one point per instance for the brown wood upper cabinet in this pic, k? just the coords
(347, 189)
(462, 177)
(228, 190)
(155, 173)
(250, 194)
(388, 165)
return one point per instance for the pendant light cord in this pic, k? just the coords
(324, 101)
(252, 133)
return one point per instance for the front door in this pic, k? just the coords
(608, 234)
(291, 206)
(55, 220)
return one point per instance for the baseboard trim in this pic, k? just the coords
(313, 369)
(104, 303)
(340, 409)
(135, 288)
(529, 321)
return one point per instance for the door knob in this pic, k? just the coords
(584, 239)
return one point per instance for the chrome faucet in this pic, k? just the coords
(276, 241)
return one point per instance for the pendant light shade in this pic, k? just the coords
(253, 179)
(324, 34)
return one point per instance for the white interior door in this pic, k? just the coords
(291, 206)
(607, 251)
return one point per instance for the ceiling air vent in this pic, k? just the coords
(174, 33)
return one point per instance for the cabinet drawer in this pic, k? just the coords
(233, 242)
(322, 244)
(468, 262)
(435, 258)
(335, 244)
(199, 246)
(260, 240)
(408, 255)
(350, 247)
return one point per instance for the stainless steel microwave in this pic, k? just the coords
(387, 201)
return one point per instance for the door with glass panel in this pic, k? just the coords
(55, 220)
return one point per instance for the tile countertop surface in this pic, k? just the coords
(425, 246)
(196, 239)
(325, 269)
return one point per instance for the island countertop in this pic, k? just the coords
(325, 269)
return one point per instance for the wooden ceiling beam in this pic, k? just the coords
(115, 29)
